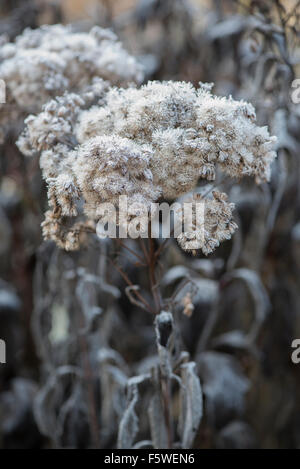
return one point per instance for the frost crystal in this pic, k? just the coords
(148, 143)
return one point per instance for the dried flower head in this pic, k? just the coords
(217, 225)
(149, 143)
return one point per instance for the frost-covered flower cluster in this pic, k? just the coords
(148, 143)
(44, 63)
(217, 226)
(190, 132)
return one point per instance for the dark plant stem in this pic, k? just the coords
(153, 259)
(151, 262)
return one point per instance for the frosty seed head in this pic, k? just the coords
(149, 143)
(46, 62)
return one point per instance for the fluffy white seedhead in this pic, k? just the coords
(217, 225)
(44, 63)
(149, 143)
(107, 167)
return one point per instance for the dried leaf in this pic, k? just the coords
(224, 386)
(175, 273)
(164, 331)
(191, 404)
(49, 401)
(259, 295)
(236, 435)
(129, 425)
(157, 422)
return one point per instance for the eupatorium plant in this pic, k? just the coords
(99, 139)
(149, 143)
